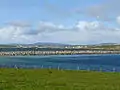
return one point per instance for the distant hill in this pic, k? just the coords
(106, 44)
(44, 44)
(50, 44)
(6, 46)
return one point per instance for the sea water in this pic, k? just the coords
(106, 62)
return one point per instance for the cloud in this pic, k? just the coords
(118, 20)
(83, 32)
(19, 24)
(49, 27)
(12, 34)
(95, 25)
(97, 32)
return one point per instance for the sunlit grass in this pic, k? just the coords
(44, 79)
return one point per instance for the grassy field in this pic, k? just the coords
(43, 79)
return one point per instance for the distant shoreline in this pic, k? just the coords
(44, 53)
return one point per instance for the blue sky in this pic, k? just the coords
(87, 21)
(48, 10)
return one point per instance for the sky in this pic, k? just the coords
(60, 21)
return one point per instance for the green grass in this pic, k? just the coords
(43, 79)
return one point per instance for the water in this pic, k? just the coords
(70, 62)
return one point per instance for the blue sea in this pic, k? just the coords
(106, 62)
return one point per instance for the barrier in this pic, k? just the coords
(60, 67)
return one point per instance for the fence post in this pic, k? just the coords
(34, 67)
(113, 69)
(42, 66)
(49, 67)
(88, 69)
(100, 69)
(16, 67)
(58, 67)
(78, 68)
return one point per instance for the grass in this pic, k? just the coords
(44, 79)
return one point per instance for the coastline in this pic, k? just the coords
(44, 53)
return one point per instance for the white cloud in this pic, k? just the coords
(49, 27)
(9, 34)
(81, 33)
(95, 25)
(19, 24)
(118, 19)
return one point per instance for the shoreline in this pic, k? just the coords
(46, 53)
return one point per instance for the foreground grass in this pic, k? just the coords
(43, 79)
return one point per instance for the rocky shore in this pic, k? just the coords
(64, 52)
